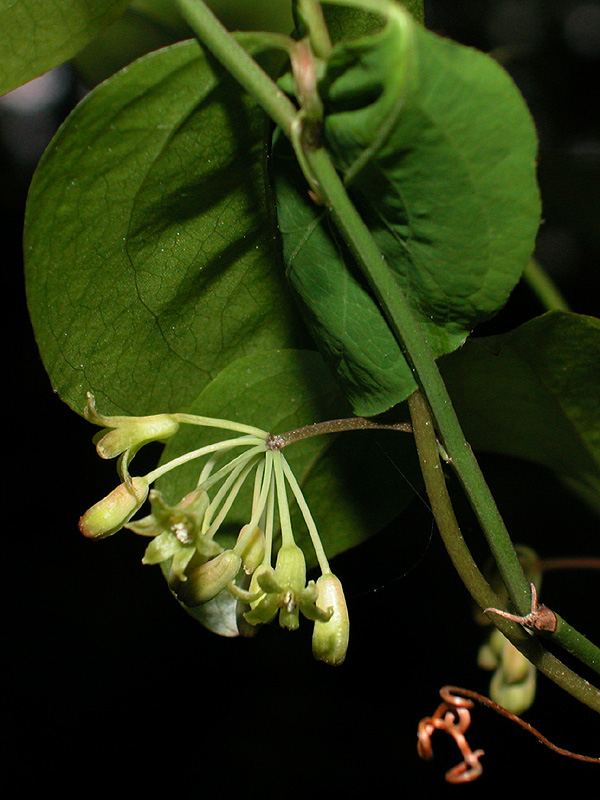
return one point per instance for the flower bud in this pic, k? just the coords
(290, 574)
(206, 581)
(513, 682)
(133, 432)
(514, 696)
(123, 433)
(112, 512)
(290, 568)
(251, 546)
(330, 638)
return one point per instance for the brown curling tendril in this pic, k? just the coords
(453, 717)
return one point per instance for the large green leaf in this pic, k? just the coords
(439, 150)
(151, 258)
(534, 393)
(346, 478)
(36, 35)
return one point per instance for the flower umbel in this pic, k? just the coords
(184, 534)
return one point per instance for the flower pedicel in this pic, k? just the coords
(183, 536)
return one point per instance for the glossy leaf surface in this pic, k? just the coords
(350, 22)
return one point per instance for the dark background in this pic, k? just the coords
(111, 683)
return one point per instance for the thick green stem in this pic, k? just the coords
(398, 314)
(402, 322)
(441, 505)
(312, 15)
(236, 60)
(577, 644)
(476, 584)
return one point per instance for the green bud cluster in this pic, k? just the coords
(183, 535)
(513, 680)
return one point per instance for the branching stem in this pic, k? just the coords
(459, 553)
(400, 318)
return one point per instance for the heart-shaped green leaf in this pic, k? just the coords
(151, 253)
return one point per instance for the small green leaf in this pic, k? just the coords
(438, 150)
(151, 253)
(36, 35)
(350, 480)
(534, 393)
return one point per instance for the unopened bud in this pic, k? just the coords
(206, 581)
(251, 546)
(111, 513)
(290, 568)
(514, 664)
(514, 679)
(133, 432)
(516, 697)
(330, 638)
(290, 574)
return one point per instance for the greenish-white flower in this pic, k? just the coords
(284, 590)
(176, 531)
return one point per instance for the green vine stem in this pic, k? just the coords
(401, 320)
(476, 584)
(577, 644)
(216, 38)
(461, 456)
(393, 305)
(250, 75)
(312, 15)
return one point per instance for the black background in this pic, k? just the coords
(111, 683)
